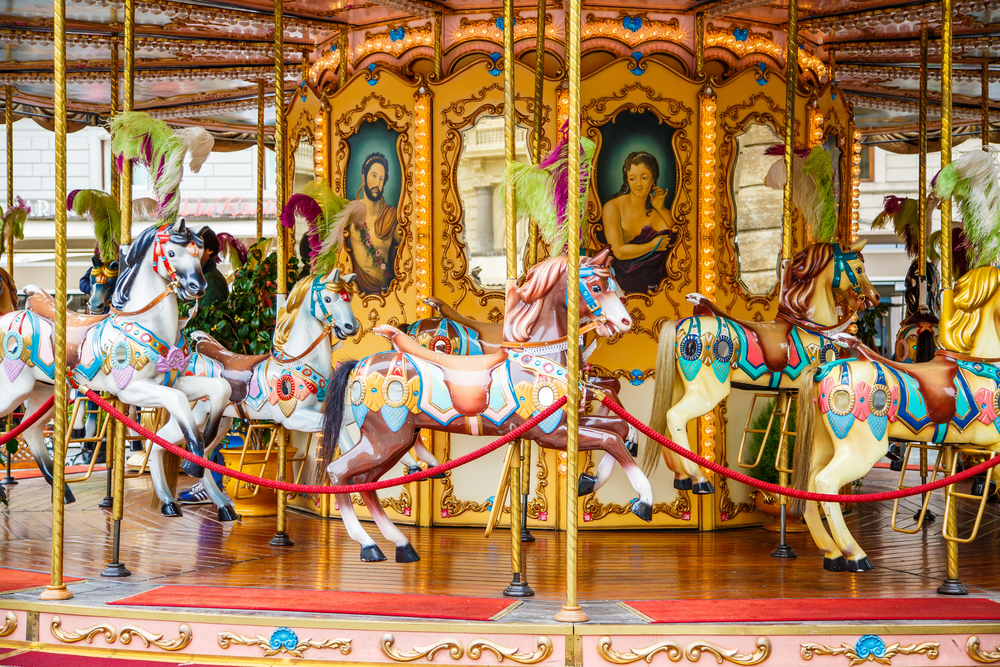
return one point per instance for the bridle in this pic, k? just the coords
(160, 255)
(324, 315)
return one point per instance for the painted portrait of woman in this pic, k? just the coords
(639, 226)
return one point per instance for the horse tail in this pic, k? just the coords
(333, 416)
(926, 348)
(663, 394)
(804, 437)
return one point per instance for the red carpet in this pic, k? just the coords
(32, 473)
(12, 580)
(43, 659)
(321, 602)
(830, 609)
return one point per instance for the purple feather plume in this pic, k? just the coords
(70, 198)
(302, 205)
(229, 242)
(779, 149)
(558, 164)
(892, 204)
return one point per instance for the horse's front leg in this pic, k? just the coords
(216, 390)
(34, 437)
(149, 394)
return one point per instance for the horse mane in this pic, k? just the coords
(286, 314)
(8, 292)
(128, 267)
(972, 291)
(799, 281)
(525, 304)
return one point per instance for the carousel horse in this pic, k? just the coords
(395, 394)
(135, 353)
(857, 406)
(285, 387)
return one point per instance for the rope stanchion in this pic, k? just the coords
(27, 422)
(795, 493)
(305, 488)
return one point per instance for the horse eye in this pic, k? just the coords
(596, 288)
(170, 253)
(327, 299)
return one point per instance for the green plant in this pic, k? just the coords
(766, 471)
(867, 319)
(244, 322)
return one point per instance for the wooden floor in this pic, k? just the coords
(618, 565)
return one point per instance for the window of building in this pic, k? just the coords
(867, 162)
(270, 169)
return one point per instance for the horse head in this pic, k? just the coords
(331, 303)
(177, 259)
(600, 297)
(818, 275)
(973, 323)
(103, 277)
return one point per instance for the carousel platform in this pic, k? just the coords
(652, 596)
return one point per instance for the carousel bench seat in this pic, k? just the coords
(77, 324)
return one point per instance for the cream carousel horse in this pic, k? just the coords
(700, 358)
(395, 394)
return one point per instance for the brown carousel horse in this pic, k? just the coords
(395, 394)
(8, 293)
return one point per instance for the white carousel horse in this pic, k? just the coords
(285, 387)
(136, 353)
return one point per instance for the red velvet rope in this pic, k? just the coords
(795, 493)
(27, 422)
(305, 488)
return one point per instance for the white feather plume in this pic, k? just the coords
(198, 142)
(145, 208)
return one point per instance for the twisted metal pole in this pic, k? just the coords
(260, 159)
(9, 118)
(438, 44)
(56, 590)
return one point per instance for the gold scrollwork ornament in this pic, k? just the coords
(763, 652)
(976, 652)
(110, 632)
(544, 650)
(10, 624)
(455, 650)
(282, 640)
(184, 637)
(672, 649)
(883, 655)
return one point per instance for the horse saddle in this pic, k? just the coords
(936, 379)
(771, 337)
(466, 377)
(237, 369)
(78, 325)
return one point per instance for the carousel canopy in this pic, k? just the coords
(200, 63)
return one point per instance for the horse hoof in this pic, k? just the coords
(586, 485)
(896, 466)
(406, 554)
(413, 470)
(372, 554)
(895, 452)
(703, 488)
(632, 446)
(68, 497)
(683, 484)
(227, 513)
(861, 565)
(643, 510)
(838, 564)
(170, 509)
(192, 469)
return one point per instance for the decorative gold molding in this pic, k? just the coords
(671, 648)
(10, 624)
(148, 638)
(544, 650)
(110, 632)
(632, 30)
(763, 652)
(388, 648)
(972, 648)
(877, 651)
(283, 640)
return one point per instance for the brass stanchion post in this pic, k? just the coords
(260, 159)
(56, 590)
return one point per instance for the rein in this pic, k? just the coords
(316, 291)
(282, 358)
(149, 306)
(563, 341)
(819, 329)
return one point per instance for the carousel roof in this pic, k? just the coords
(200, 62)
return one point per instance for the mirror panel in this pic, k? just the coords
(757, 209)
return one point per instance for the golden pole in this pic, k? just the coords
(438, 44)
(260, 159)
(699, 44)
(537, 126)
(115, 95)
(56, 590)
(280, 538)
(951, 585)
(791, 81)
(9, 117)
(922, 184)
(571, 612)
(984, 101)
(518, 586)
(344, 57)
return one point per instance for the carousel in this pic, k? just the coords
(558, 350)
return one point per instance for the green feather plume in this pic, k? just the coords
(819, 166)
(14, 219)
(136, 135)
(974, 181)
(102, 209)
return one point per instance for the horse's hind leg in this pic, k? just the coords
(591, 483)
(700, 398)
(34, 436)
(599, 433)
(405, 552)
(822, 452)
(370, 553)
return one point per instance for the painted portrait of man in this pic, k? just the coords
(373, 245)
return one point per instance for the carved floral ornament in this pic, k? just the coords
(475, 650)
(128, 632)
(283, 640)
(870, 648)
(674, 652)
(9, 624)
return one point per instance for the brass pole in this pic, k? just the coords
(951, 585)
(832, 70)
(345, 56)
(984, 101)
(571, 612)
(280, 538)
(922, 179)
(537, 126)
(9, 118)
(438, 44)
(115, 95)
(260, 159)
(699, 44)
(56, 590)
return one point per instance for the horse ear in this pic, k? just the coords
(334, 275)
(114, 266)
(179, 227)
(859, 246)
(347, 278)
(97, 262)
(603, 258)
